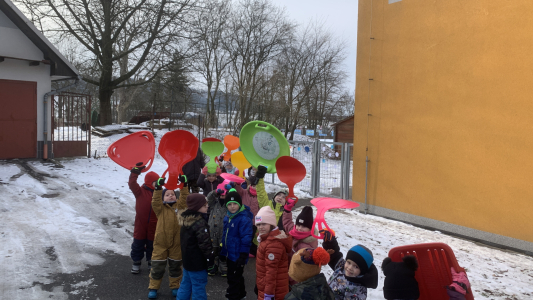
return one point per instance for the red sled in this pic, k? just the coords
(434, 263)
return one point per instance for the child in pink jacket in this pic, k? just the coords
(301, 231)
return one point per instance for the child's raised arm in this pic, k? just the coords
(330, 243)
(133, 185)
(184, 192)
(157, 201)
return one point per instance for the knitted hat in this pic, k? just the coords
(233, 197)
(149, 178)
(307, 263)
(362, 256)
(222, 186)
(196, 201)
(305, 218)
(266, 215)
(217, 172)
(282, 191)
(400, 282)
(164, 192)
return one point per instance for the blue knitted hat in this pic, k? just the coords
(362, 256)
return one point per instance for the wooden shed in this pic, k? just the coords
(344, 130)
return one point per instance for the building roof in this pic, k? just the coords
(345, 119)
(60, 67)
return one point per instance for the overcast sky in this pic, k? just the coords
(340, 17)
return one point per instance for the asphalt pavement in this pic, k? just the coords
(113, 280)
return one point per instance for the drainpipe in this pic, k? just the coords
(366, 186)
(45, 101)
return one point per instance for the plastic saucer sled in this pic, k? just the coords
(290, 172)
(323, 204)
(212, 147)
(263, 144)
(177, 147)
(231, 142)
(240, 162)
(132, 149)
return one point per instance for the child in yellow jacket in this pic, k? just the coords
(167, 247)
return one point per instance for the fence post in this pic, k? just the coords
(346, 169)
(343, 174)
(316, 167)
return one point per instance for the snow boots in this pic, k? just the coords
(223, 268)
(212, 270)
(136, 267)
(152, 294)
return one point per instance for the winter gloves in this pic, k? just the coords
(204, 170)
(261, 171)
(138, 168)
(241, 261)
(291, 202)
(330, 241)
(160, 183)
(183, 179)
(269, 297)
(459, 287)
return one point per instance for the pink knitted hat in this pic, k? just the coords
(222, 186)
(266, 215)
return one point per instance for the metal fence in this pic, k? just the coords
(329, 165)
(329, 168)
(71, 124)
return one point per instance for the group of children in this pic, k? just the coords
(200, 235)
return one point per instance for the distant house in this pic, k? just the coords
(343, 130)
(28, 65)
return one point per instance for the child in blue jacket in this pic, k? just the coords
(236, 242)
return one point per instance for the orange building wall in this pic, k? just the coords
(450, 136)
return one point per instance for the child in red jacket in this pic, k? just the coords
(145, 219)
(272, 264)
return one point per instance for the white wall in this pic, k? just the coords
(13, 43)
(12, 69)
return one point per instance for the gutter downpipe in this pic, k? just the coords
(45, 101)
(366, 186)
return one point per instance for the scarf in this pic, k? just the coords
(231, 215)
(298, 234)
(230, 171)
(252, 191)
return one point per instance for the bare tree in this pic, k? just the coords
(98, 26)
(258, 32)
(209, 28)
(309, 61)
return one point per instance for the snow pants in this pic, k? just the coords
(193, 284)
(139, 248)
(236, 289)
(160, 259)
(219, 261)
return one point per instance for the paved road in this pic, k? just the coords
(113, 281)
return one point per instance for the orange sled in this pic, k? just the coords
(433, 274)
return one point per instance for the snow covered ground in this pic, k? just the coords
(62, 220)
